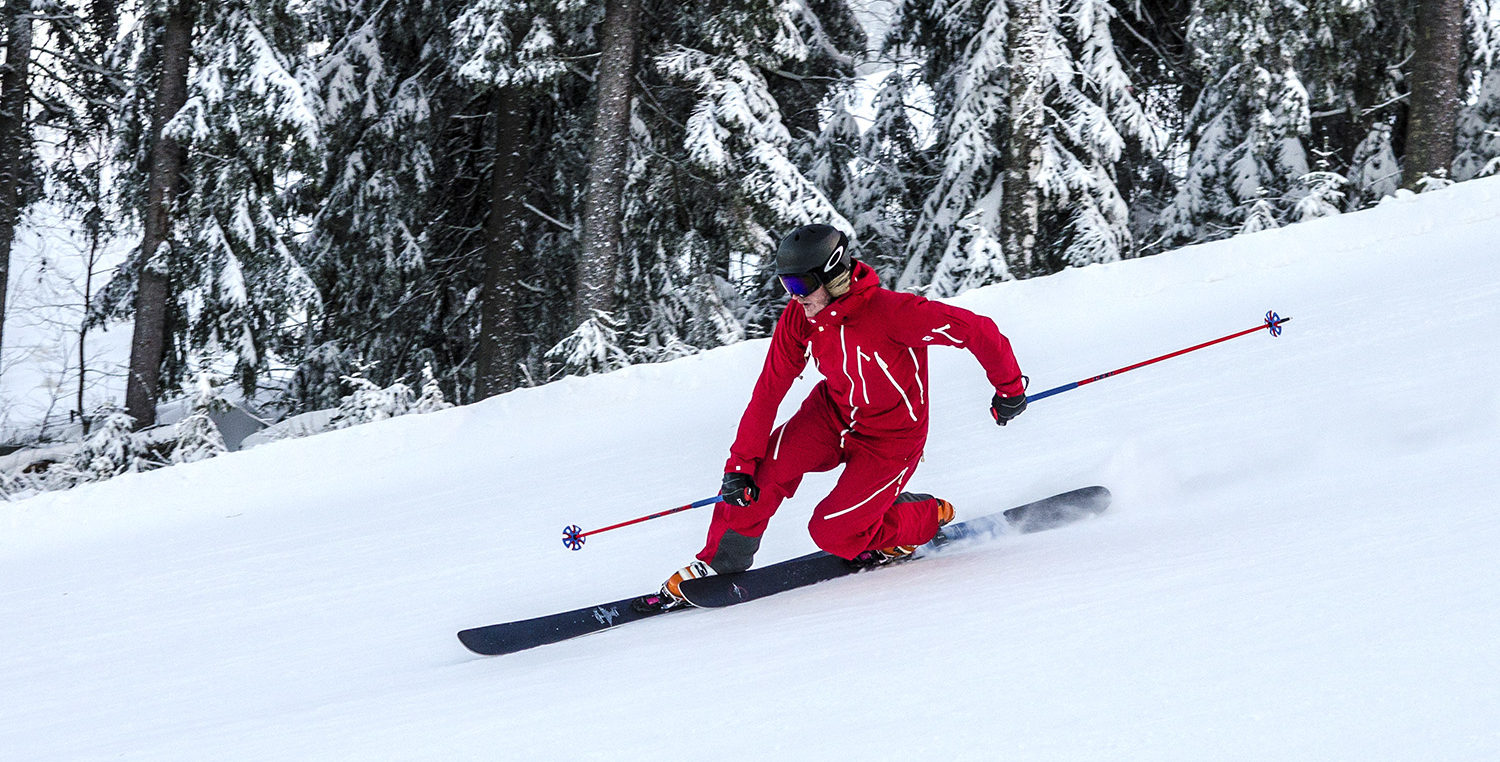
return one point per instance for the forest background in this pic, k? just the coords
(301, 200)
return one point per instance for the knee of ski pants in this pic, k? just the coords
(845, 536)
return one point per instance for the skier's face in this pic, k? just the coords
(814, 303)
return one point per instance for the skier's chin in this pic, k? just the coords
(812, 306)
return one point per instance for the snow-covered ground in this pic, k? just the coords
(1301, 562)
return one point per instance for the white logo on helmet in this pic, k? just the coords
(833, 261)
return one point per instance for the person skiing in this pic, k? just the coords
(869, 413)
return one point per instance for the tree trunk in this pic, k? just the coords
(153, 290)
(1019, 209)
(1436, 64)
(498, 357)
(614, 88)
(15, 133)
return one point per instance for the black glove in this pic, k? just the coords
(739, 489)
(1006, 408)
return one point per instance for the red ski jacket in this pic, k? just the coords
(871, 347)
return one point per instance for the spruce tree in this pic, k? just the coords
(515, 55)
(1478, 141)
(1088, 121)
(884, 195)
(1249, 122)
(730, 92)
(197, 436)
(250, 134)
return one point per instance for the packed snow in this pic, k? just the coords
(1300, 562)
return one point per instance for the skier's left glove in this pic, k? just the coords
(1006, 408)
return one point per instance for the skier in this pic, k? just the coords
(869, 413)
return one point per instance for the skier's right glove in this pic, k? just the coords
(1006, 408)
(739, 489)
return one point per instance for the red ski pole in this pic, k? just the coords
(573, 537)
(1272, 323)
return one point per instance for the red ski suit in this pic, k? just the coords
(869, 413)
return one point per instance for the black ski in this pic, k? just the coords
(711, 592)
(509, 637)
(1048, 513)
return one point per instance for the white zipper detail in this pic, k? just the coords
(886, 369)
(845, 365)
(859, 363)
(917, 372)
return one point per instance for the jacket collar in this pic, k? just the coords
(862, 286)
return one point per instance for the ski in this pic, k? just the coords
(1048, 513)
(509, 637)
(715, 592)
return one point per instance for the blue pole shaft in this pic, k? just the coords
(1269, 324)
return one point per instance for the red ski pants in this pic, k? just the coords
(861, 513)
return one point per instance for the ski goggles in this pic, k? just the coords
(801, 284)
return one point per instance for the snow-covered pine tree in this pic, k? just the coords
(1358, 66)
(221, 274)
(197, 437)
(1323, 194)
(250, 136)
(109, 450)
(1477, 144)
(1348, 67)
(814, 92)
(368, 401)
(517, 54)
(1478, 140)
(890, 168)
(1090, 115)
(715, 177)
(1248, 125)
(378, 92)
(830, 155)
(431, 398)
(1374, 172)
(964, 45)
(1261, 216)
(592, 347)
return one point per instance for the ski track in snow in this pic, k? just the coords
(1300, 562)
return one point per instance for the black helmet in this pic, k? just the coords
(813, 256)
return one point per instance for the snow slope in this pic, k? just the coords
(1301, 561)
